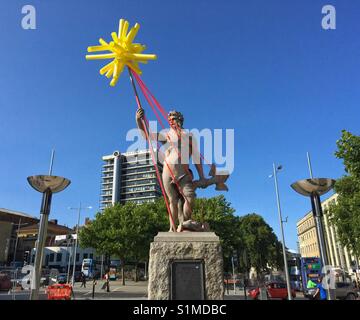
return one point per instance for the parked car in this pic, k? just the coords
(274, 290)
(61, 278)
(230, 279)
(343, 291)
(5, 282)
(346, 291)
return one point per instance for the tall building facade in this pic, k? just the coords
(129, 176)
(338, 255)
(307, 235)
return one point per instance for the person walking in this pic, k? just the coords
(93, 287)
(320, 293)
(107, 281)
(83, 280)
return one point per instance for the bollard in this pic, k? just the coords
(93, 289)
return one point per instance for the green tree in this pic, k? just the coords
(345, 213)
(258, 245)
(125, 231)
(219, 214)
(248, 237)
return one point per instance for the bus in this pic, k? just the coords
(311, 269)
(88, 268)
(294, 266)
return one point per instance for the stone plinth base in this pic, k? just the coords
(170, 246)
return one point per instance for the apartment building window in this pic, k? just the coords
(58, 257)
(51, 258)
(85, 256)
(77, 257)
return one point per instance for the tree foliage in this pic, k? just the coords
(345, 214)
(219, 214)
(258, 245)
(125, 230)
(247, 238)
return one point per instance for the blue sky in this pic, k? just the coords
(264, 68)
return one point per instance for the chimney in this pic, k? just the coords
(54, 221)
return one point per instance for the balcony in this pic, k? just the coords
(139, 198)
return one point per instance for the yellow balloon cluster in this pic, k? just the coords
(123, 52)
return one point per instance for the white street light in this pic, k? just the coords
(76, 240)
(275, 169)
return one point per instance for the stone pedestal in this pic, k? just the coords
(174, 246)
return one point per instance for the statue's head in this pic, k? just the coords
(176, 116)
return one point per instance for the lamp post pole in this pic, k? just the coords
(76, 240)
(76, 243)
(69, 260)
(282, 232)
(233, 270)
(47, 185)
(102, 266)
(314, 188)
(317, 214)
(40, 243)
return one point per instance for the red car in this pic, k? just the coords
(274, 290)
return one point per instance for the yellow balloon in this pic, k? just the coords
(122, 50)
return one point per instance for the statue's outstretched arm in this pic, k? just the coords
(156, 136)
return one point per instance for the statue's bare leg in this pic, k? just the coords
(188, 207)
(181, 211)
(173, 197)
(189, 201)
(174, 212)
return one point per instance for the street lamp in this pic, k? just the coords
(76, 240)
(68, 241)
(275, 169)
(47, 185)
(314, 188)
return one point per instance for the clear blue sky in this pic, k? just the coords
(265, 68)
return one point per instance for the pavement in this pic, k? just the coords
(131, 291)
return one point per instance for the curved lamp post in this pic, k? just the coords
(314, 188)
(47, 185)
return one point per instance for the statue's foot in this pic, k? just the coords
(191, 225)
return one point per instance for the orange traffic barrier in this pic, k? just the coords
(59, 292)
